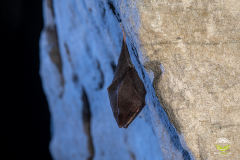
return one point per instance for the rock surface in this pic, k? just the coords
(79, 48)
(186, 53)
(197, 44)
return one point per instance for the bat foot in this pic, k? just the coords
(124, 33)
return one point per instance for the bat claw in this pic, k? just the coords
(124, 33)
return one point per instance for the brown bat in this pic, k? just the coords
(127, 92)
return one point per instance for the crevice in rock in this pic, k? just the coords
(113, 65)
(112, 8)
(52, 40)
(132, 155)
(101, 5)
(86, 114)
(74, 76)
(54, 53)
(185, 155)
(134, 50)
(50, 6)
(101, 83)
(68, 52)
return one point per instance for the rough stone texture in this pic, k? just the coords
(197, 44)
(187, 50)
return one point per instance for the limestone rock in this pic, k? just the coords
(196, 43)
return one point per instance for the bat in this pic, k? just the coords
(127, 91)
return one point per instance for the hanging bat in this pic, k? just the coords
(127, 91)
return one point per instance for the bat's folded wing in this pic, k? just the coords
(113, 91)
(127, 97)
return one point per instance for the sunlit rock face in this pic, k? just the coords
(197, 45)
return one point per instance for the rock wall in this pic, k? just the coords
(186, 53)
(197, 44)
(79, 49)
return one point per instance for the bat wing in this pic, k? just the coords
(113, 92)
(137, 83)
(124, 61)
(130, 100)
(127, 99)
